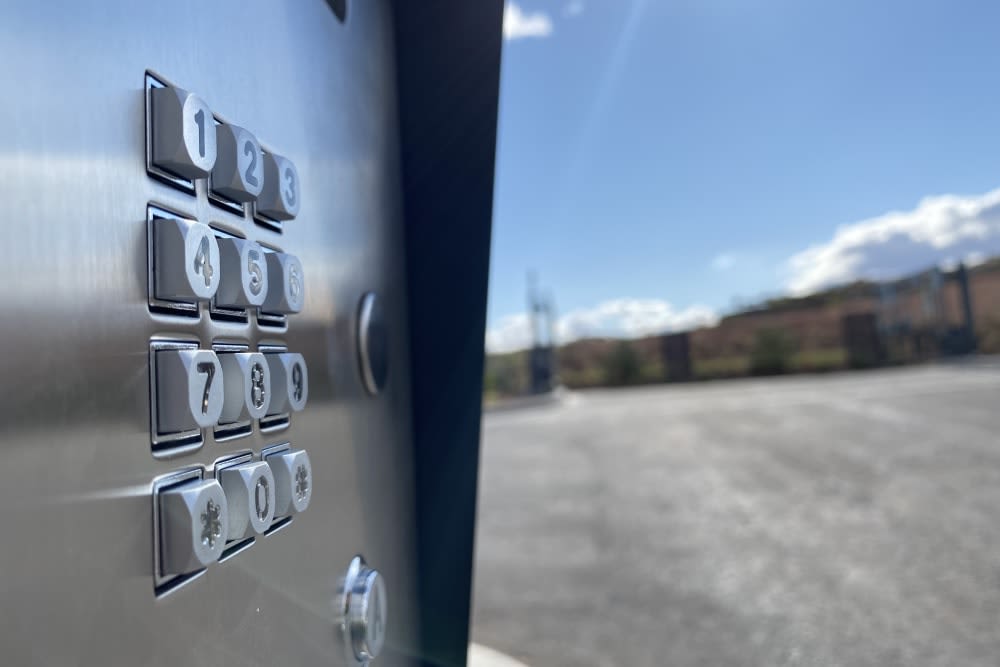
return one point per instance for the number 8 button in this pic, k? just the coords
(239, 168)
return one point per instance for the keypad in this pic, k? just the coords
(220, 258)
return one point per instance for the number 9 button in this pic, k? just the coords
(239, 168)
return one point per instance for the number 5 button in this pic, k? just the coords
(239, 170)
(189, 390)
(280, 198)
(244, 274)
(186, 263)
(183, 133)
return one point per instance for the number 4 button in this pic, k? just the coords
(186, 261)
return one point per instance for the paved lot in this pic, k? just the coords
(850, 519)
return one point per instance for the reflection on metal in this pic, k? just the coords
(373, 352)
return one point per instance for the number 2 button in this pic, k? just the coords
(186, 262)
(239, 168)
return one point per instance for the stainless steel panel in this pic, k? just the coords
(76, 467)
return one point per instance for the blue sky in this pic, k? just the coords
(660, 161)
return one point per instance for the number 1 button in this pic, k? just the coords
(186, 261)
(183, 133)
(239, 170)
(189, 390)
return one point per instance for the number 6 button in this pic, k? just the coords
(280, 198)
(239, 170)
(189, 390)
(186, 264)
(183, 133)
(286, 284)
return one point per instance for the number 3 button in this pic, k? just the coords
(186, 263)
(280, 197)
(239, 168)
(189, 390)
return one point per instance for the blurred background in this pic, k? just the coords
(744, 297)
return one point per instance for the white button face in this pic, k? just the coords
(183, 133)
(243, 281)
(290, 380)
(286, 291)
(189, 390)
(186, 262)
(249, 491)
(247, 386)
(279, 199)
(194, 522)
(239, 168)
(292, 481)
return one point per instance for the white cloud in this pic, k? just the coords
(724, 261)
(618, 318)
(518, 24)
(573, 8)
(901, 242)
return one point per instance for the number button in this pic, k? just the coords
(249, 491)
(186, 263)
(183, 133)
(247, 386)
(189, 390)
(239, 169)
(286, 284)
(290, 381)
(194, 525)
(244, 274)
(293, 481)
(280, 198)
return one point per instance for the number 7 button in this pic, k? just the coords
(189, 390)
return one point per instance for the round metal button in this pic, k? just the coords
(373, 344)
(363, 608)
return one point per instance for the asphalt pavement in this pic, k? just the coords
(849, 519)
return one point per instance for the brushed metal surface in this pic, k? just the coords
(76, 466)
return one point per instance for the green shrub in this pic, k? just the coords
(771, 354)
